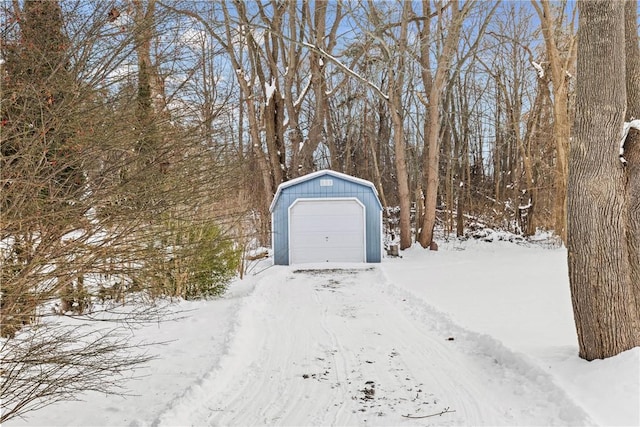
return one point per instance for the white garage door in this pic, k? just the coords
(326, 231)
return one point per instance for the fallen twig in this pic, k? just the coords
(445, 411)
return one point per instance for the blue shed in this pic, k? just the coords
(326, 216)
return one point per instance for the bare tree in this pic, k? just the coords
(397, 73)
(523, 98)
(561, 62)
(320, 126)
(434, 85)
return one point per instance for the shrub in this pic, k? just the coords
(193, 261)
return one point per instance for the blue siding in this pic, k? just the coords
(311, 189)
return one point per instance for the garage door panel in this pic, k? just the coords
(312, 224)
(338, 207)
(326, 230)
(321, 255)
(346, 239)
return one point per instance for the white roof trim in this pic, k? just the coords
(316, 174)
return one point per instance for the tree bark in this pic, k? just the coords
(602, 294)
(632, 144)
(144, 34)
(632, 54)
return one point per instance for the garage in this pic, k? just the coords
(326, 216)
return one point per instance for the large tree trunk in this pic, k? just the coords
(602, 294)
(632, 54)
(632, 144)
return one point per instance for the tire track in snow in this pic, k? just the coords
(331, 348)
(251, 382)
(393, 357)
(194, 401)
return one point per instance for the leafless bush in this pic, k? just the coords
(53, 362)
(93, 172)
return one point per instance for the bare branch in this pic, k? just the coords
(438, 414)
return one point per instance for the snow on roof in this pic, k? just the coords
(322, 172)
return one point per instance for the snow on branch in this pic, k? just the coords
(303, 93)
(539, 69)
(346, 69)
(635, 124)
(270, 89)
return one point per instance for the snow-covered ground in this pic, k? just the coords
(480, 331)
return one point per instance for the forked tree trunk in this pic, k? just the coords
(432, 140)
(605, 314)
